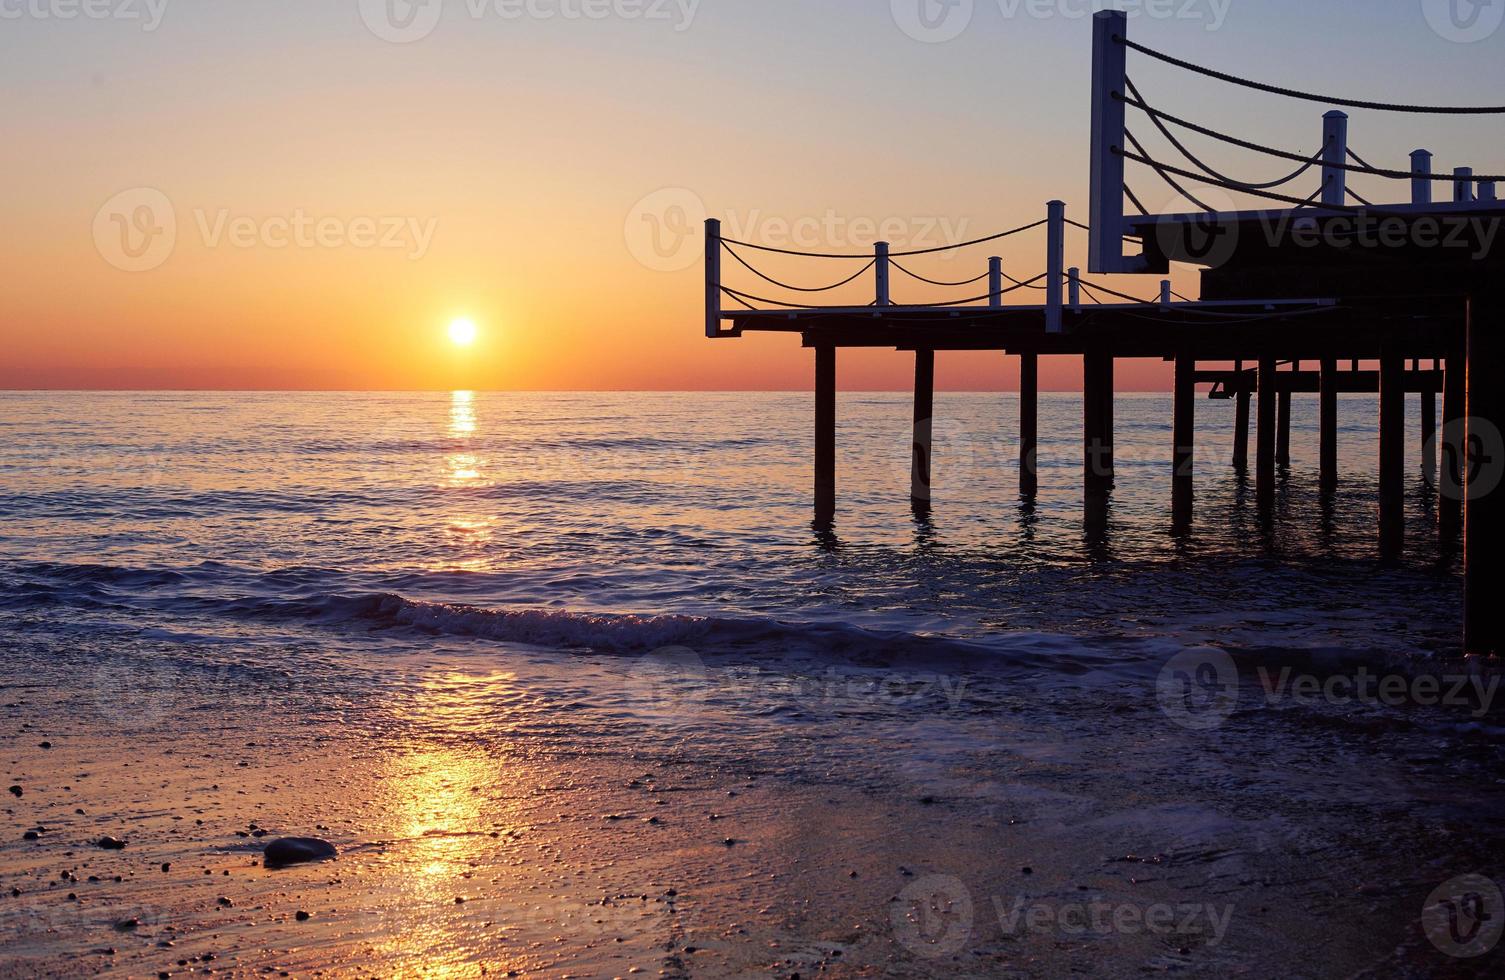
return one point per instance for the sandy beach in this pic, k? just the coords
(880, 836)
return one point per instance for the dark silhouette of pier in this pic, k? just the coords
(1295, 297)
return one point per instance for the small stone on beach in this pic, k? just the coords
(298, 850)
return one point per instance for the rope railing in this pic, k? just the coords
(1164, 168)
(896, 255)
(1308, 96)
(941, 282)
(1164, 172)
(799, 289)
(1358, 168)
(1156, 118)
(971, 299)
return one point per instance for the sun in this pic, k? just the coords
(463, 332)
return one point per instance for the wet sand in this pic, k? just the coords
(1087, 836)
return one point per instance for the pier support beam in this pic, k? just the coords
(1429, 436)
(1029, 424)
(1283, 431)
(1107, 392)
(1484, 508)
(1450, 479)
(1097, 426)
(1327, 424)
(924, 408)
(1184, 455)
(1264, 462)
(1392, 454)
(1241, 426)
(825, 434)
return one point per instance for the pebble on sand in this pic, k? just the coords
(298, 850)
(110, 843)
(15, 791)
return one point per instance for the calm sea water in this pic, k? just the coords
(624, 522)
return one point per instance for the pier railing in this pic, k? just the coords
(1061, 288)
(1114, 144)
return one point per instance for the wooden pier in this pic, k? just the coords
(1294, 299)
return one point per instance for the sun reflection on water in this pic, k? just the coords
(450, 814)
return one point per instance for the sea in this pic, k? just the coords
(621, 523)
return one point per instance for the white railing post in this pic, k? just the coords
(1487, 191)
(1055, 264)
(1334, 156)
(713, 277)
(995, 281)
(880, 266)
(1074, 289)
(1421, 185)
(1463, 185)
(1105, 247)
(1165, 292)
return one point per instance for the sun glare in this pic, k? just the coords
(463, 332)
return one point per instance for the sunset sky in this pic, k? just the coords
(342, 190)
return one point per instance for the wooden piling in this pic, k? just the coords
(1392, 454)
(825, 434)
(1097, 380)
(1283, 431)
(1327, 424)
(1241, 432)
(1450, 477)
(1184, 455)
(1264, 462)
(924, 407)
(1029, 423)
(1429, 435)
(1240, 423)
(1484, 507)
(1108, 391)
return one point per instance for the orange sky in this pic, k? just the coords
(512, 167)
